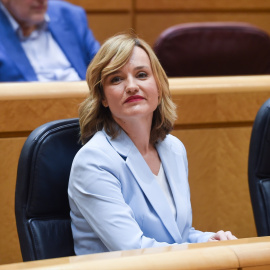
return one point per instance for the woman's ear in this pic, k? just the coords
(104, 102)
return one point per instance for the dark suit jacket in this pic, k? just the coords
(69, 27)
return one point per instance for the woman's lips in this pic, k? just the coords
(134, 99)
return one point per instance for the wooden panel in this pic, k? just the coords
(185, 5)
(219, 258)
(107, 25)
(218, 179)
(36, 90)
(34, 113)
(150, 25)
(258, 257)
(200, 101)
(212, 256)
(9, 154)
(104, 5)
(202, 176)
(261, 267)
(149, 18)
(75, 262)
(233, 205)
(219, 100)
(106, 18)
(23, 108)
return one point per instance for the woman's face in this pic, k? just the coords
(131, 92)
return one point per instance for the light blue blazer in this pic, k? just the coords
(116, 202)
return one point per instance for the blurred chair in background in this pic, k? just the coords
(259, 169)
(213, 49)
(41, 200)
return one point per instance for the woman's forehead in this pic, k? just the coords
(137, 57)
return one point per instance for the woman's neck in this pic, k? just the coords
(139, 132)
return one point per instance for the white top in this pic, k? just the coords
(163, 182)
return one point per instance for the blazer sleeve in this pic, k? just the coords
(196, 236)
(96, 190)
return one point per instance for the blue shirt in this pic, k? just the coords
(46, 57)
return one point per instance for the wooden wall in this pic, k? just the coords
(150, 17)
(215, 117)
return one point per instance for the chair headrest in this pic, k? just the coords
(213, 49)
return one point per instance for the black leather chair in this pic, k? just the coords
(259, 169)
(213, 49)
(41, 200)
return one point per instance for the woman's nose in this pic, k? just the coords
(131, 85)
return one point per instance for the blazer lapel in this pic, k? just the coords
(175, 170)
(145, 178)
(12, 44)
(67, 42)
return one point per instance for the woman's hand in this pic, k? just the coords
(222, 236)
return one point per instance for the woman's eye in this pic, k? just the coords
(116, 79)
(142, 75)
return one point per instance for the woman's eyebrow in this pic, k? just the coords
(119, 71)
(114, 73)
(141, 67)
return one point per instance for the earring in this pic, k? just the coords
(104, 103)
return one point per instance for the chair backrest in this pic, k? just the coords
(213, 49)
(41, 200)
(259, 169)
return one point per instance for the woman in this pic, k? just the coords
(128, 186)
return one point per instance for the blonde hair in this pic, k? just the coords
(113, 55)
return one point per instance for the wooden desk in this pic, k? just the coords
(252, 253)
(215, 117)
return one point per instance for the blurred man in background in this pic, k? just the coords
(44, 40)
